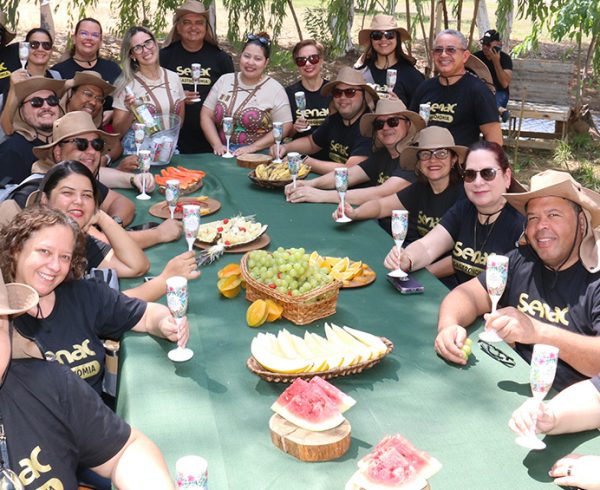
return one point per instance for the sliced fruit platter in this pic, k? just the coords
(230, 232)
(275, 175)
(352, 274)
(207, 206)
(394, 464)
(189, 180)
(284, 357)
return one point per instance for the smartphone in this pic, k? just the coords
(496, 49)
(143, 226)
(408, 286)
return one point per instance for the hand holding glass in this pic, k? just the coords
(177, 301)
(144, 159)
(294, 166)
(172, 195)
(278, 136)
(341, 185)
(300, 98)
(496, 273)
(23, 53)
(228, 130)
(191, 223)
(399, 231)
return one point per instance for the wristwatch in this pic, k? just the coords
(118, 220)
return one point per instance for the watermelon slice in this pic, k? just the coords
(297, 387)
(337, 396)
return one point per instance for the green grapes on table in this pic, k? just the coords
(287, 271)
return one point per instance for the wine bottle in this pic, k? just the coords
(142, 113)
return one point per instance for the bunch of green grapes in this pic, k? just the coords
(287, 271)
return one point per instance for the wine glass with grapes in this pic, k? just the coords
(23, 53)
(496, 273)
(144, 160)
(399, 231)
(172, 195)
(228, 130)
(300, 98)
(139, 133)
(541, 376)
(191, 223)
(196, 74)
(177, 301)
(341, 185)
(278, 135)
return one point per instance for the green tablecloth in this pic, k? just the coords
(214, 407)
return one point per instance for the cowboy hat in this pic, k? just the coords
(433, 138)
(8, 35)
(381, 22)
(481, 71)
(350, 76)
(90, 77)
(190, 7)
(70, 125)
(552, 183)
(16, 298)
(390, 107)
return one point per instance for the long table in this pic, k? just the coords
(215, 407)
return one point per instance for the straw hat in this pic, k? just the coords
(8, 35)
(190, 7)
(432, 138)
(87, 77)
(16, 298)
(354, 78)
(71, 125)
(381, 22)
(389, 107)
(481, 71)
(552, 183)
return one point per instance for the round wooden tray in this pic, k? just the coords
(253, 160)
(207, 207)
(186, 190)
(272, 377)
(261, 242)
(354, 283)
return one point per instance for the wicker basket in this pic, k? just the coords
(301, 309)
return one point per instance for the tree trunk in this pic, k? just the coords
(459, 14)
(473, 22)
(298, 28)
(444, 8)
(212, 15)
(483, 19)
(408, 27)
(349, 43)
(431, 24)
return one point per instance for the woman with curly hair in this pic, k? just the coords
(44, 248)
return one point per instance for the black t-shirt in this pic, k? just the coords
(408, 79)
(215, 62)
(341, 141)
(85, 311)
(16, 157)
(380, 166)
(461, 108)
(568, 299)
(505, 62)
(95, 251)
(425, 208)
(473, 242)
(9, 62)
(54, 423)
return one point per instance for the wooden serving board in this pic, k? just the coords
(307, 445)
(207, 207)
(261, 242)
(253, 160)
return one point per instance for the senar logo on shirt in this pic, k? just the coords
(442, 112)
(536, 308)
(338, 153)
(425, 222)
(185, 75)
(80, 352)
(34, 469)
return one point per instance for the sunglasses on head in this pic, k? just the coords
(313, 59)
(487, 174)
(451, 50)
(392, 122)
(262, 40)
(82, 144)
(46, 45)
(439, 154)
(379, 35)
(347, 92)
(37, 102)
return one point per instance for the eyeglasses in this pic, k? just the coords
(139, 48)
(347, 92)
(497, 354)
(438, 154)
(392, 122)
(95, 35)
(313, 59)
(451, 50)
(262, 40)
(90, 95)
(9, 480)
(379, 35)
(487, 174)
(37, 102)
(82, 144)
(46, 45)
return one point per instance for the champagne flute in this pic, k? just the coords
(341, 185)
(144, 159)
(228, 130)
(300, 98)
(294, 166)
(496, 272)
(172, 195)
(177, 301)
(541, 376)
(425, 111)
(191, 223)
(278, 135)
(23, 53)
(399, 230)
(391, 76)
(196, 74)
(139, 133)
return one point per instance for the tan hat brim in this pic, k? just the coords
(410, 152)
(21, 298)
(364, 35)
(44, 152)
(416, 123)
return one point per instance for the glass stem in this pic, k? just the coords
(342, 203)
(294, 181)
(227, 138)
(277, 143)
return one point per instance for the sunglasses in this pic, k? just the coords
(348, 92)
(392, 122)
(497, 354)
(379, 35)
(46, 45)
(313, 59)
(262, 40)
(139, 48)
(487, 174)
(37, 102)
(439, 154)
(82, 144)
(451, 50)
(9, 480)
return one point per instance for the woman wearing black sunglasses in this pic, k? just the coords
(383, 41)
(474, 228)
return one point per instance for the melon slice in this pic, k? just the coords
(355, 345)
(337, 396)
(372, 341)
(264, 354)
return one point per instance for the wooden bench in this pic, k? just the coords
(540, 89)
